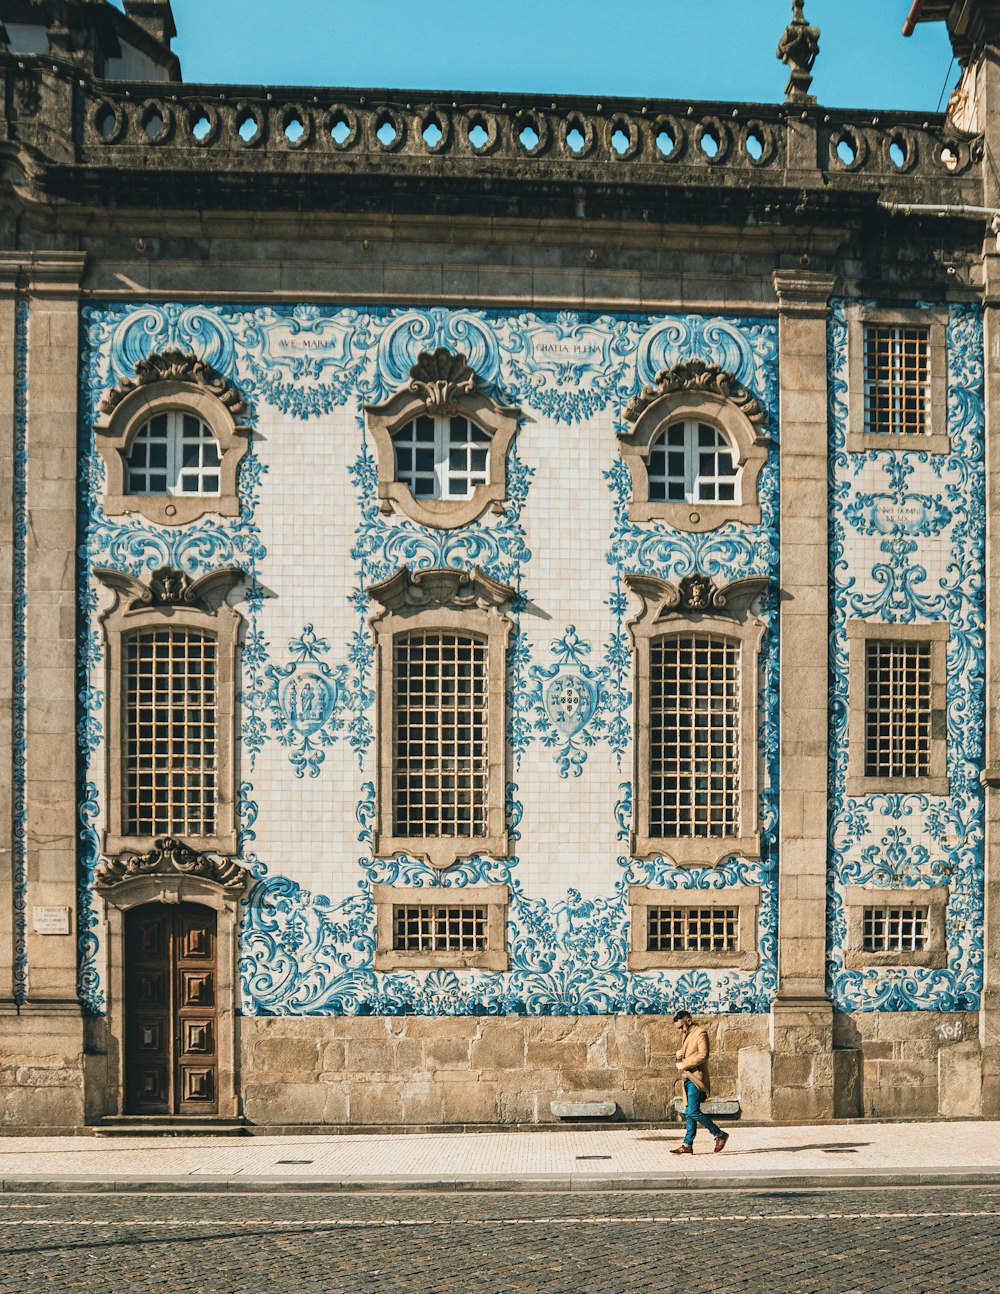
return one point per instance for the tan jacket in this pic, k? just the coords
(692, 1058)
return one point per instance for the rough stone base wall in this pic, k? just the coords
(908, 1065)
(416, 1070)
(41, 1073)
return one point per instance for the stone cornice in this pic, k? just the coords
(803, 292)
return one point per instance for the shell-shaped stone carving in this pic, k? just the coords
(438, 376)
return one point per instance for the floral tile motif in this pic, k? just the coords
(907, 534)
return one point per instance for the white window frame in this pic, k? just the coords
(692, 451)
(443, 447)
(175, 471)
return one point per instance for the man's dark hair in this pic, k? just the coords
(681, 1015)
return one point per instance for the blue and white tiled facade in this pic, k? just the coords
(907, 546)
(311, 539)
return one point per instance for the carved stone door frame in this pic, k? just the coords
(136, 891)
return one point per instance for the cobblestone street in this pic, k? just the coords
(903, 1241)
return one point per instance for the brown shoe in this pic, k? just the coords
(683, 1149)
(720, 1143)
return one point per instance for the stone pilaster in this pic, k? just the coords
(802, 1017)
(41, 1029)
(9, 888)
(989, 1017)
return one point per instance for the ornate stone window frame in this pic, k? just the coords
(172, 600)
(935, 319)
(859, 634)
(698, 605)
(495, 898)
(707, 393)
(466, 602)
(170, 872)
(746, 898)
(442, 383)
(165, 381)
(932, 897)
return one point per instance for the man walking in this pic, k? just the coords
(692, 1061)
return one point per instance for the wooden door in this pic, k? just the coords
(170, 1010)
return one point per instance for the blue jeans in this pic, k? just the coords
(693, 1115)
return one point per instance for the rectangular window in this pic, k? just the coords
(894, 930)
(417, 928)
(897, 380)
(898, 708)
(693, 930)
(440, 737)
(425, 929)
(694, 729)
(170, 765)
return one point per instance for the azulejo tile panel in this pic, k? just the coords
(907, 545)
(311, 538)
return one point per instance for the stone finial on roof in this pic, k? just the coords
(798, 48)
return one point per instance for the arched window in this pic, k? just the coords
(172, 440)
(441, 456)
(441, 444)
(694, 445)
(173, 453)
(693, 462)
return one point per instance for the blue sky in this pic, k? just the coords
(721, 49)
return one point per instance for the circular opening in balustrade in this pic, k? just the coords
(623, 137)
(668, 135)
(341, 126)
(898, 152)
(712, 139)
(202, 123)
(577, 135)
(108, 122)
(153, 122)
(388, 130)
(530, 132)
(949, 158)
(481, 131)
(758, 143)
(434, 130)
(249, 124)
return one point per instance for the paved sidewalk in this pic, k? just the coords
(844, 1154)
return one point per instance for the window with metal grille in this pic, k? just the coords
(897, 379)
(439, 929)
(169, 768)
(173, 453)
(898, 699)
(693, 930)
(694, 736)
(895, 930)
(692, 462)
(440, 738)
(441, 457)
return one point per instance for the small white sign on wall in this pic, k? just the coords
(51, 921)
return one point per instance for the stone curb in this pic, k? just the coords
(819, 1179)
